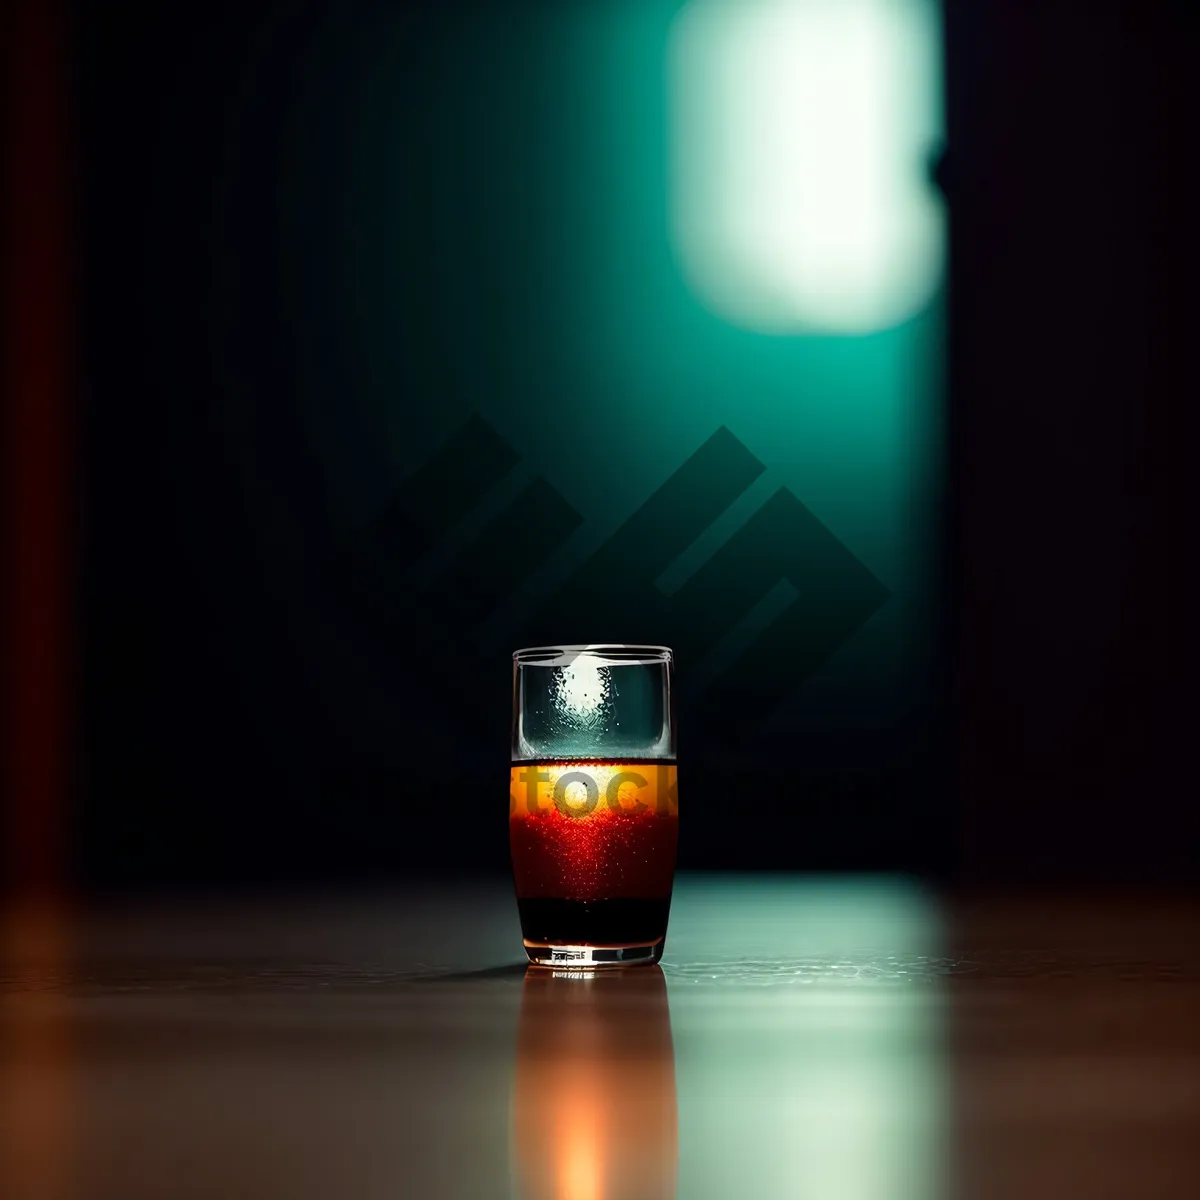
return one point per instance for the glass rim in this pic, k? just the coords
(615, 653)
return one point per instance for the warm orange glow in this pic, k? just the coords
(581, 1161)
(654, 785)
(594, 1106)
(34, 1087)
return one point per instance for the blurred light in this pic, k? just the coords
(808, 1015)
(581, 1164)
(35, 1050)
(802, 132)
(582, 691)
(594, 1110)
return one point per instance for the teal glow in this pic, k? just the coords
(807, 1019)
(801, 132)
(523, 261)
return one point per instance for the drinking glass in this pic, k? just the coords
(593, 802)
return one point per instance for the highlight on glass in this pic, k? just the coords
(593, 802)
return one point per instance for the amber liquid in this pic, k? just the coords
(593, 850)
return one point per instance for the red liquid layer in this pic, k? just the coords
(616, 838)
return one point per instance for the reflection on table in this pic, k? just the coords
(808, 1017)
(840, 1039)
(594, 1112)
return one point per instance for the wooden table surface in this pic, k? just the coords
(832, 1038)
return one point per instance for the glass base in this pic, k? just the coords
(588, 958)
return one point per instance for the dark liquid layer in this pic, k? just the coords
(622, 922)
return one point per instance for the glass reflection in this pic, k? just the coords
(594, 1108)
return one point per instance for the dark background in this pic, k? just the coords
(1066, 121)
(234, 722)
